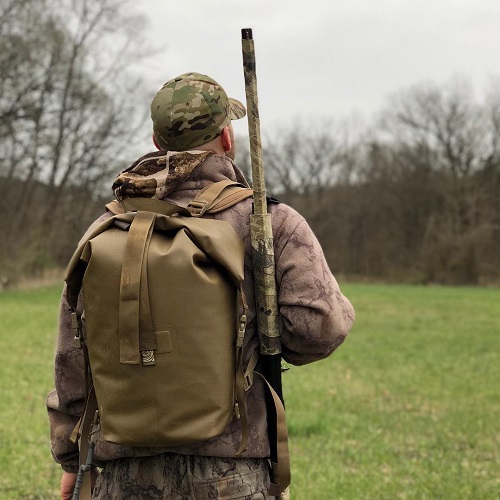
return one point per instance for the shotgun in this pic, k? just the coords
(266, 299)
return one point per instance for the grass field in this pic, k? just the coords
(409, 407)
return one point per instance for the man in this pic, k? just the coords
(193, 113)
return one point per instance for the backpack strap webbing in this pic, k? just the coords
(280, 470)
(135, 331)
(278, 437)
(240, 376)
(83, 487)
(218, 196)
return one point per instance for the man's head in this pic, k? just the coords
(191, 110)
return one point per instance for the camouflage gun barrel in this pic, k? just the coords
(260, 220)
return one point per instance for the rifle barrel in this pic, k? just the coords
(260, 221)
(250, 73)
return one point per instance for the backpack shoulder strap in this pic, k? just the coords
(145, 204)
(115, 207)
(214, 198)
(218, 196)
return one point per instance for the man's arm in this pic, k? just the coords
(65, 402)
(315, 316)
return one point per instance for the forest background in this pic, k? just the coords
(412, 196)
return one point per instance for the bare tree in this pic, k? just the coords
(445, 132)
(67, 115)
(414, 198)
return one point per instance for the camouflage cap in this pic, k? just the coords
(191, 110)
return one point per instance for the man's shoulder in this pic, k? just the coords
(281, 213)
(284, 216)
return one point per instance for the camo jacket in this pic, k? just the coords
(315, 316)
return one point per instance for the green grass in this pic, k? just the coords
(409, 406)
(27, 343)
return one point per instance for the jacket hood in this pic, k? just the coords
(158, 174)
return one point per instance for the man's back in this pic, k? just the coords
(314, 319)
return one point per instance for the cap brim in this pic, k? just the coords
(237, 110)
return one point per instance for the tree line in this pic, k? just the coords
(67, 118)
(411, 196)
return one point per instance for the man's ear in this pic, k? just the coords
(157, 146)
(226, 139)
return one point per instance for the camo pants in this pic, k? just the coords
(182, 477)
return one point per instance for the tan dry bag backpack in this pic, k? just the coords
(164, 319)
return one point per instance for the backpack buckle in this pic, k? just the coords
(248, 379)
(196, 207)
(76, 326)
(241, 330)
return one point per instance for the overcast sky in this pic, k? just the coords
(325, 58)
